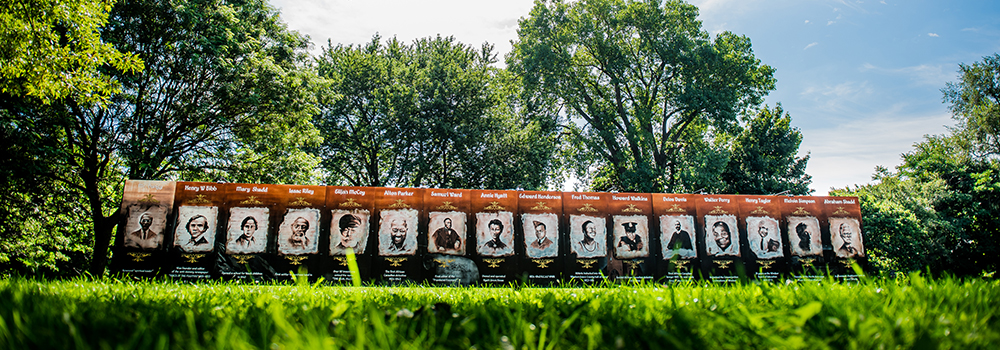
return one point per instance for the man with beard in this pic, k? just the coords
(144, 237)
(298, 240)
(680, 238)
(446, 238)
(847, 250)
(630, 240)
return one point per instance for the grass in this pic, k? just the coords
(911, 312)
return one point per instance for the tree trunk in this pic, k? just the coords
(103, 232)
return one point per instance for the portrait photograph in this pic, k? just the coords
(246, 232)
(446, 232)
(804, 236)
(145, 227)
(348, 229)
(722, 235)
(631, 239)
(588, 236)
(397, 232)
(298, 233)
(677, 237)
(845, 234)
(764, 237)
(195, 231)
(495, 233)
(541, 235)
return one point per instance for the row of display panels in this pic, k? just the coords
(451, 236)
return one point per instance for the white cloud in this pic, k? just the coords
(933, 35)
(810, 45)
(807, 21)
(830, 22)
(921, 75)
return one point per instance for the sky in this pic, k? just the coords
(862, 80)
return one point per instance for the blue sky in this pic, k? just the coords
(861, 79)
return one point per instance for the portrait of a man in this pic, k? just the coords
(541, 235)
(397, 234)
(247, 230)
(631, 236)
(144, 227)
(297, 233)
(764, 237)
(195, 231)
(447, 233)
(677, 236)
(495, 233)
(723, 238)
(588, 236)
(845, 234)
(348, 229)
(803, 236)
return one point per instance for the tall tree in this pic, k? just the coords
(225, 93)
(975, 103)
(764, 157)
(634, 75)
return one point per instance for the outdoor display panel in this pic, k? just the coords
(539, 235)
(493, 237)
(675, 215)
(843, 223)
(586, 217)
(764, 249)
(718, 221)
(198, 207)
(632, 245)
(299, 231)
(447, 238)
(803, 216)
(398, 212)
(351, 222)
(246, 237)
(142, 236)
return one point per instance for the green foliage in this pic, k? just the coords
(51, 50)
(975, 102)
(893, 313)
(634, 76)
(764, 158)
(431, 113)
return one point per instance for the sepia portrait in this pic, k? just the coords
(298, 232)
(588, 236)
(397, 232)
(145, 226)
(677, 237)
(631, 237)
(348, 229)
(723, 238)
(195, 231)
(541, 235)
(803, 236)
(495, 233)
(247, 230)
(446, 232)
(845, 234)
(764, 237)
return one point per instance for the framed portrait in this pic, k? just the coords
(247, 230)
(145, 226)
(631, 236)
(677, 237)
(397, 232)
(764, 237)
(588, 236)
(297, 233)
(195, 231)
(845, 234)
(541, 235)
(446, 232)
(722, 236)
(804, 236)
(349, 229)
(495, 233)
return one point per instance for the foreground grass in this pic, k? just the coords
(909, 312)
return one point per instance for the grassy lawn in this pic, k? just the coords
(911, 312)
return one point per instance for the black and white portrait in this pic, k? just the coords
(348, 229)
(541, 235)
(845, 234)
(247, 230)
(297, 233)
(144, 228)
(588, 236)
(195, 231)
(764, 237)
(723, 238)
(495, 233)
(397, 232)
(446, 232)
(677, 237)
(631, 239)
(803, 236)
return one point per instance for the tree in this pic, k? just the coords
(975, 103)
(764, 158)
(225, 94)
(52, 49)
(431, 113)
(635, 75)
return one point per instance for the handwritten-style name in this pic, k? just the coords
(716, 200)
(398, 193)
(629, 198)
(446, 194)
(200, 188)
(538, 196)
(254, 189)
(308, 191)
(758, 200)
(584, 197)
(350, 192)
(493, 195)
(838, 201)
